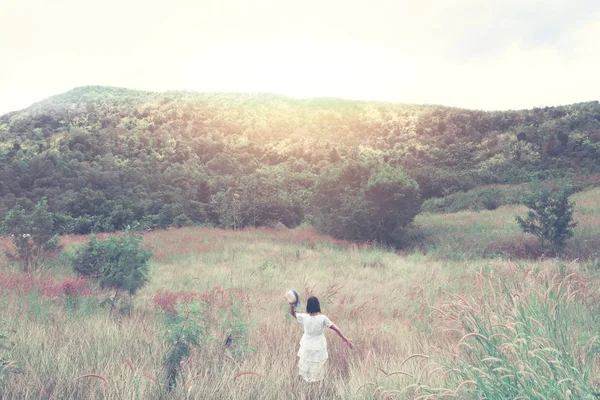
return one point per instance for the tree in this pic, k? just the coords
(118, 263)
(550, 217)
(366, 201)
(31, 233)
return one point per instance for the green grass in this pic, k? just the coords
(468, 235)
(487, 197)
(490, 197)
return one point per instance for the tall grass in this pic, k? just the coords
(426, 324)
(531, 337)
(55, 344)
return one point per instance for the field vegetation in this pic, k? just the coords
(109, 159)
(472, 312)
(207, 207)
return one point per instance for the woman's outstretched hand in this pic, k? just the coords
(350, 343)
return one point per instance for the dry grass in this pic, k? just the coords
(423, 325)
(377, 297)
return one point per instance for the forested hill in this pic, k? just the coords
(107, 158)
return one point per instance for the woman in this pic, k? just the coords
(313, 346)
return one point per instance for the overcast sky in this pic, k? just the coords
(484, 54)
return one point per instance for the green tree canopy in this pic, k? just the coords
(366, 202)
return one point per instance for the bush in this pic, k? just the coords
(550, 217)
(31, 233)
(364, 202)
(185, 329)
(490, 200)
(438, 182)
(118, 263)
(182, 220)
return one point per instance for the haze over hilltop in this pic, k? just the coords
(471, 54)
(88, 94)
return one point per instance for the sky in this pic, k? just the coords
(478, 54)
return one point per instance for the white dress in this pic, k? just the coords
(313, 346)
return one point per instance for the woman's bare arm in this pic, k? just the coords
(348, 341)
(293, 310)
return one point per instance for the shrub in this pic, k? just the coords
(185, 329)
(118, 263)
(438, 182)
(182, 220)
(66, 224)
(89, 260)
(550, 217)
(236, 329)
(31, 233)
(490, 199)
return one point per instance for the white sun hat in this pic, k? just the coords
(292, 297)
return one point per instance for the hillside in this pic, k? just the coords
(107, 158)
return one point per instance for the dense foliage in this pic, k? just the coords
(361, 201)
(108, 158)
(118, 263)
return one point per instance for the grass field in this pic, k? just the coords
(468, 235)
(447, 320)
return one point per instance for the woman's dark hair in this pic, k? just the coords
(312, 305)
